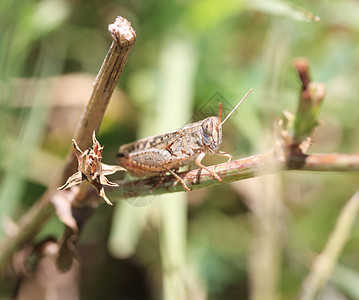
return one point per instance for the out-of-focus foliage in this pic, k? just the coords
(50, 52)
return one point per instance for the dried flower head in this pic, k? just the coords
(91, 168)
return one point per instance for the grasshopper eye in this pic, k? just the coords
(207, 126)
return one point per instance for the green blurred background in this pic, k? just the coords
(248, 240)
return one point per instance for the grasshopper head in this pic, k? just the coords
(211, 129)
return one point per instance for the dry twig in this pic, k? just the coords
(240, 169)
(29, 225)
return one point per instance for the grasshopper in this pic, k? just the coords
(169, 151)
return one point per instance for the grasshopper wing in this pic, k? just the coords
(160, 141)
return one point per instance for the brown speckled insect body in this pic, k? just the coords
(169, 151)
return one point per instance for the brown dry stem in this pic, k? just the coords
(32, 221)
(240, 169)
(310, 100)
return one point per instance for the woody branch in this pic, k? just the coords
(240, 169)
(36, 217)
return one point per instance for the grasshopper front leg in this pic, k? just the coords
(198, 163)
(224, 154)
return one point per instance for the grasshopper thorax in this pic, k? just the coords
(211, 131)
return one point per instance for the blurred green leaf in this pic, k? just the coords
(204, 14)
(347, 280)
(47, 16)
(282, 9)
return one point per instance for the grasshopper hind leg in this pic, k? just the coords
(178, 179)
(157, 183)
(163, 179)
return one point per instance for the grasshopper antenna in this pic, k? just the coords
(220, 114)
(233, 110)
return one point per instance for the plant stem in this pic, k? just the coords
(249, 167)
(31, 222)
(310, 100)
